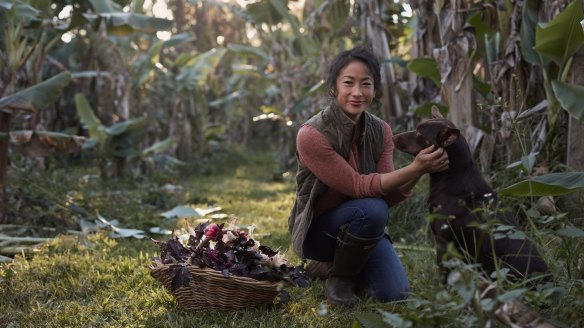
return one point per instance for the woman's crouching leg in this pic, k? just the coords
(384, 277)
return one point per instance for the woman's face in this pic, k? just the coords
(354, 89)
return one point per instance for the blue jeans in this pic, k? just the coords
(383, 275)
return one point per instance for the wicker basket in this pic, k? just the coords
(210, 290)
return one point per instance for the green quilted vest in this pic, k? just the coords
(339, 129)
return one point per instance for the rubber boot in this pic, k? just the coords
(351, 254)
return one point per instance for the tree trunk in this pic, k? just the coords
(119, 166)
(179, 15)
(185, 118)
(186, 149)
(427, 38)
(123, 90)
(454, 62)
(376, 34)
(5, 119)
(174, 124)
(575, 155)
(288, 96)
(203, 40)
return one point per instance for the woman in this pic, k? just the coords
(346, 183)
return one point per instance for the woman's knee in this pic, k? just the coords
(376, 213)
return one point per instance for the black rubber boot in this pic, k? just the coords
(351, 255)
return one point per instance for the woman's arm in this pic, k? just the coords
(427, 161)
(317, 154)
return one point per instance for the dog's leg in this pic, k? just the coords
(441, 239)
(441, 246)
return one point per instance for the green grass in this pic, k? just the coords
(96, 281)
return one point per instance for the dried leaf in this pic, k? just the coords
(118, 232)
(44, 143)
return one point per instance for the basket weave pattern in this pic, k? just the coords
(210, 290)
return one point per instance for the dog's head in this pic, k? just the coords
(437, 131)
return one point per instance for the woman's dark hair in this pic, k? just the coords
(344, 58)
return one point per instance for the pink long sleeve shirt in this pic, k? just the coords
(342, 176)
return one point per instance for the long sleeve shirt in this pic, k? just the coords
(342, 176)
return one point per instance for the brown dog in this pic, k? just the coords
(468, 212)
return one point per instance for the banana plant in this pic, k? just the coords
(552, 46)
(156, 156)
(184, 83)
(30, 99)
(121, 141)
(23, 44)
(117, 142)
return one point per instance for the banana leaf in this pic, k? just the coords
(425, 67)
(124, 137)
(244, 50)
(571, 97)
(38, 96)
(88, 119)
(561, 38)
(195, 74)
(552, 184)
(122, 24)
(21, 10)
(158, 147)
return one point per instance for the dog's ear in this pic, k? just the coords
(436, 113)
(448, 136)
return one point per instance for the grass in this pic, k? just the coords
(96, 281)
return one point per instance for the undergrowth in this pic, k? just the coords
(96, 281)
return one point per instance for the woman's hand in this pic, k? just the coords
(429, 160)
